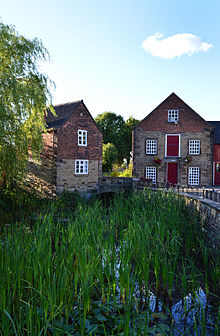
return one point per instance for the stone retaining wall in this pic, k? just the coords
(209, 212)
(210, 216)
(113, 184)
(69, 181)
(41, 177)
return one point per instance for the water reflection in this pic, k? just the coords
(192, 315)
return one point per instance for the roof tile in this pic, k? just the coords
(63, 111)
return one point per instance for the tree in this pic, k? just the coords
(24, 94)
(129, 124)
(118, 132)
(110, 154)
(111, 125)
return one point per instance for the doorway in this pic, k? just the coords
(217, 173)
(172, 172)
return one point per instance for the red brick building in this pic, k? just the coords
(216, 163)
(72, 155)
(174, 144)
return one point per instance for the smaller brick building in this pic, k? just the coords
(72, 154)
(174, 144)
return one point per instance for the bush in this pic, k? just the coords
(127, 172)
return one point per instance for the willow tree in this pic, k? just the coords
(24, 94)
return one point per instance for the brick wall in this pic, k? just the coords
(56, 169)
(189, 120)
(68, 151)
(68, 137)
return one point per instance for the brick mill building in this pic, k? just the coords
(216, 163)
(174, 144)
(72, 154)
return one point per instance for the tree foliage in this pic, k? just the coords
(129, 124)
(24, 94)
(118, 132)
(110, 154)
(112, 125)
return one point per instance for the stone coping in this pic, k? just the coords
(207, 201)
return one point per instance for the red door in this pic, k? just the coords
(172, 145)
(172, 170)
(217, 164)
(217, 173)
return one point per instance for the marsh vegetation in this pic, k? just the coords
(133, 264)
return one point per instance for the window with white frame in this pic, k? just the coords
(173, 115)
(81, 167)
(82, 138)
(193, 176)
(194, 147)
(151, 173)
(151, 146)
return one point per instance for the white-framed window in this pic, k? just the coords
(194, 147)
(151, 173)
(151, 146)
(81, 167)
(173, 115)
(82, 138)
(193, 176)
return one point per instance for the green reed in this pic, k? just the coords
(88, 269)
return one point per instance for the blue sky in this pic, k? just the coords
(99, 55)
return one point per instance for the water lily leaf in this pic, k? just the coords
(92, 328)
(120, 306)
(87, 324)
(163, 327)
(96, 311)
(159, 315)
(101, 317)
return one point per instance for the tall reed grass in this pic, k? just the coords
(91, 270)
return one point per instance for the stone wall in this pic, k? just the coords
(209, 210)
(67, 180)
(189, 126)
(41, 177)
(203, 161)
(114, 184)
(41, 173)
(210, 215)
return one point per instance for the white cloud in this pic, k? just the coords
(174, 46)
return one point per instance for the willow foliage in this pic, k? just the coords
(24, 94)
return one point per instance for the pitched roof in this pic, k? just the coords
(216, 125)
(172, 95)
(63, 111)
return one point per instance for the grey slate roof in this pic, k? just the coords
(216, 125)
(63, 111)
